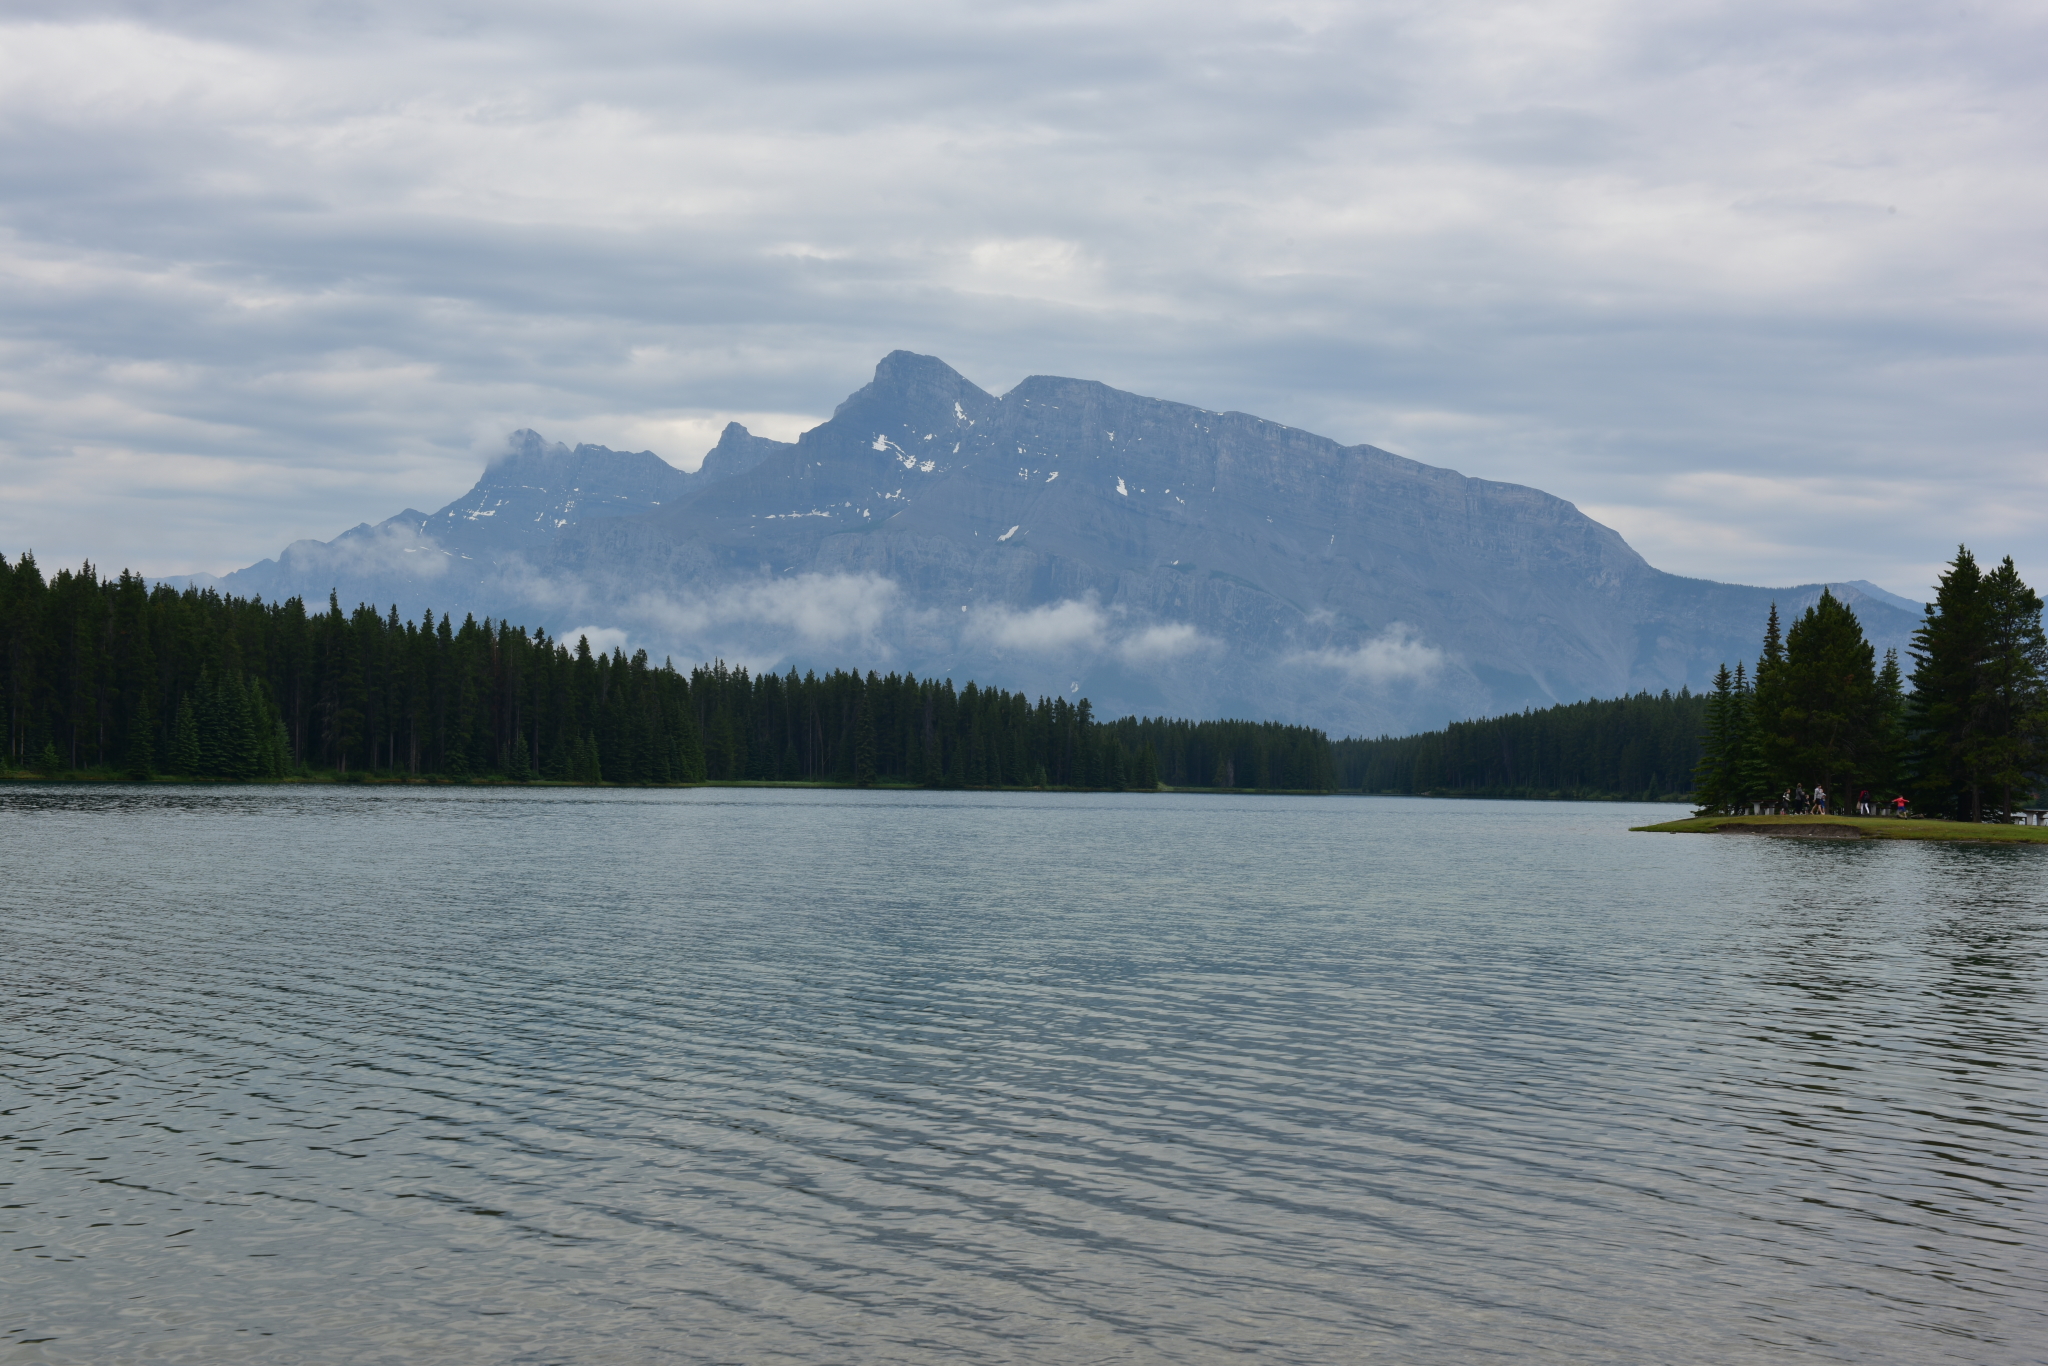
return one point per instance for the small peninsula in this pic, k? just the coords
(1853, 827)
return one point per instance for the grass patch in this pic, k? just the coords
(1853, 827)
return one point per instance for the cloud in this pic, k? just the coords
(603, 639)
(803, 611)
(821, 609)
(1059, 628)
(1397, 655)
(369, 553)
(1077, 627)
(1163, 644)
(1592, 248)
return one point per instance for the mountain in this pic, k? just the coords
(460, 557)
(1069, 537)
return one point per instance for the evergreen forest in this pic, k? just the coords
(113, 677)
(1965, 735)
(1641, 748)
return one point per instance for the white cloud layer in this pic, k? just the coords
(1056, 628)
(1760, 281)
(1396, 655)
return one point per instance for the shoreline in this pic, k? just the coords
(442, 780)
(1852, 828)
(103, 777)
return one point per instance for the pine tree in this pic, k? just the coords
(273, 742)
(586, 768)
(1714, 780)
(138, 747)
(185, 758)
(1945, 713)
(688, 765)
(1828, 698)
(241, 744)
(1750, 779)
(1767, 704)
(1888, 730)
(211, 711)
(2013, 687)
(863, 744)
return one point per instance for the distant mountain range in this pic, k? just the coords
(1068, 537)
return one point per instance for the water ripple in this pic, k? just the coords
(376, 1075)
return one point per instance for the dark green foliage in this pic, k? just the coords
(1946, 719)
(1644, 747)
(1767, 701)
(1887, 774)
(1826, 724)
(185, 761)
(1823, 713)
(864, 772)
(1732, 772)
(1715, 777)
(1820, 714)
(1977, 719)
(2013, 688)
(116, 677)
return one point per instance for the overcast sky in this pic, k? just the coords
(1761, 285)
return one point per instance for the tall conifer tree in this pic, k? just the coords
(185, 758)
(2013, 687)
(1828, 710)
(1946, 716)
(1713, 780)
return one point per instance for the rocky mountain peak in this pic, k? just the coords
(911, 391)
(1074, 538)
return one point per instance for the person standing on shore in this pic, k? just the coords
(1820, 800)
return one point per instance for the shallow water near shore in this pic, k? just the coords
(453, 1075)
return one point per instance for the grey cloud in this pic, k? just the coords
(1596, 251)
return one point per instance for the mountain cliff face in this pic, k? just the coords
(469, 554)
(1068, 537)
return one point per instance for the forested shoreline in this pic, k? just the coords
(1640, 748)
(1964, 734)
(114, 678)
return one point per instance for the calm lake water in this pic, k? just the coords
(378, 1075)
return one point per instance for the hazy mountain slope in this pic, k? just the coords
(1068, 536)
(470, 555)
(1161, 556)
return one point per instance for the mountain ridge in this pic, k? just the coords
(1071, 537)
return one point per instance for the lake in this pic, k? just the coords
(453, 1075)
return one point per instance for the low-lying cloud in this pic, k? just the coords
(1396, 655)
(1058, 628)
(398, 550)
(603, 639)
(1083, 628)
(1163, 644)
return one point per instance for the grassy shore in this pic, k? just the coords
(1853, 827)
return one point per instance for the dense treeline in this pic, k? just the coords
(112, 676)
(1967, 733)
(1633, 748)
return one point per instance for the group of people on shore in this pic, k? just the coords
(1797, 801)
